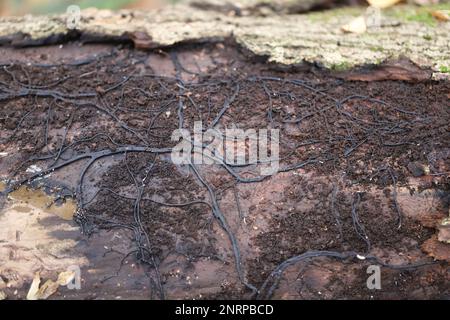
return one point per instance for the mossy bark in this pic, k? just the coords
(283, 38)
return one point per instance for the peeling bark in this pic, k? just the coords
(402, 69)
(292, 39)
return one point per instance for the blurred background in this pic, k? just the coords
(21, 7)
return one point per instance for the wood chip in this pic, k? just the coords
(357, 25)
(34, 288)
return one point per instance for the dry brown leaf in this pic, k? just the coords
(436, 249)
(65, 278)
(381, 4)
(441, 15)
(47, 289)
(34, 288)
(357, 25)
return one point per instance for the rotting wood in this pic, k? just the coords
(281, 38)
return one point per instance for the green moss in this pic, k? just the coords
(328, 15)
(105, 4)
(48, 6)
(404, 13)
(427, 37)
(444, 69)
(440, 6)
(341, 66)
(376, 48)
(423, 17)
(417, 14)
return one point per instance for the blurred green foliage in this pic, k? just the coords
(19, 7)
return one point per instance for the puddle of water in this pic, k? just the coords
(26, 199)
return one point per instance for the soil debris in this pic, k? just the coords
(346, 194)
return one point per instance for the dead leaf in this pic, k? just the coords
(34, 288)
(381, 4)
(357, 25)
(47, 289)
(436, 249)
(441, 15)
(65, 278)
(2, 283)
